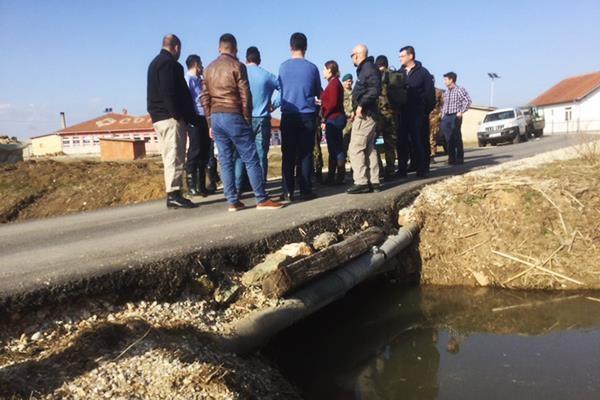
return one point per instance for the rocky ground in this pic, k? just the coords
(108, 348)
(529, 224)
(101, 348)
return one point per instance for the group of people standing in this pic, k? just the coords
(229, 103)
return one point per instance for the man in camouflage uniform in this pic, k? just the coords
(317, 153)
(435, 119)
(386, 120)
(348, 110)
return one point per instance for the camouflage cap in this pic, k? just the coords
(347, 77)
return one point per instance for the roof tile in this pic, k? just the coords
(569, 90)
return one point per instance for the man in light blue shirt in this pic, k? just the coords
(262, 85)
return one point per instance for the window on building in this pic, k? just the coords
(568, 114)
(66, 142)
(76, 141)
(87, 141)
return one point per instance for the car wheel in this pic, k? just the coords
(494, 143)
(481, 143)
(539, 133)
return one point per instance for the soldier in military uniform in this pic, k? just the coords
(317, 153)
(347, 82)
(435, 119)
(386, 120)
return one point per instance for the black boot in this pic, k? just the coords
(212, 179)
(341, 173)
(201, 171)
(192, 182)
(176, 200)
(319, 176)
(330, 179)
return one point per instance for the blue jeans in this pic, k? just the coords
(232, 134)
(335, 141)
(451, 129)
(261, 131)
(297, 144)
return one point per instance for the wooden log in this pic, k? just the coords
(287, 278)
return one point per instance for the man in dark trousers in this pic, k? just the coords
(420, 101)
(227, 103)
(199, 146)
(456, 103)
(300, 85)
(170, 106)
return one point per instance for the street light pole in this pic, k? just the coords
(493, 76)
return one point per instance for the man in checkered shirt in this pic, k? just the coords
(456, 103)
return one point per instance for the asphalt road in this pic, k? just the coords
(56, 251)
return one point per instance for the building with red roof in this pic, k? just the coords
(572, 105)
(84, 138)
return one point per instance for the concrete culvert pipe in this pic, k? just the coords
(255, 330)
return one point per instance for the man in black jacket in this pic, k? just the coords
(170, 106)
(365, 97)
(420, 101)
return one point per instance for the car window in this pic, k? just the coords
(510, 114)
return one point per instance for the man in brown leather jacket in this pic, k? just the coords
(227, 102)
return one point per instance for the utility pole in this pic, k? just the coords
(493, 76)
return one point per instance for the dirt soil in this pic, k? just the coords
(40, 189)
(51, 187)
(535, 227)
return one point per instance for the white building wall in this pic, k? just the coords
(584, 116)
(589, 113)
(90, 144)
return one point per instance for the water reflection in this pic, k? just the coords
(432, 343)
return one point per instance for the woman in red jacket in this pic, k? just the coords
(333, 122)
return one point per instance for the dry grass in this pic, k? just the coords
(527, 228)
(38, 189)
(65, 185)
(588, 150)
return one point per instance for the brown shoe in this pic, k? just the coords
(238, 206)
(269, 205)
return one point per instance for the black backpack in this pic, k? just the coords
(397, 89)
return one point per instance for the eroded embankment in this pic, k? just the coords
(156, 335)
(166, 278)
(530, 224)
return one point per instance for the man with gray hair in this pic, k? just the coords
(365, 96)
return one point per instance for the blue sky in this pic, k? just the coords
(82, 56)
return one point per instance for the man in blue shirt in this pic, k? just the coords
(199, 145)
(300, 85)
(262, 85)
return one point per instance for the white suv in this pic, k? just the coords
(506, 125)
